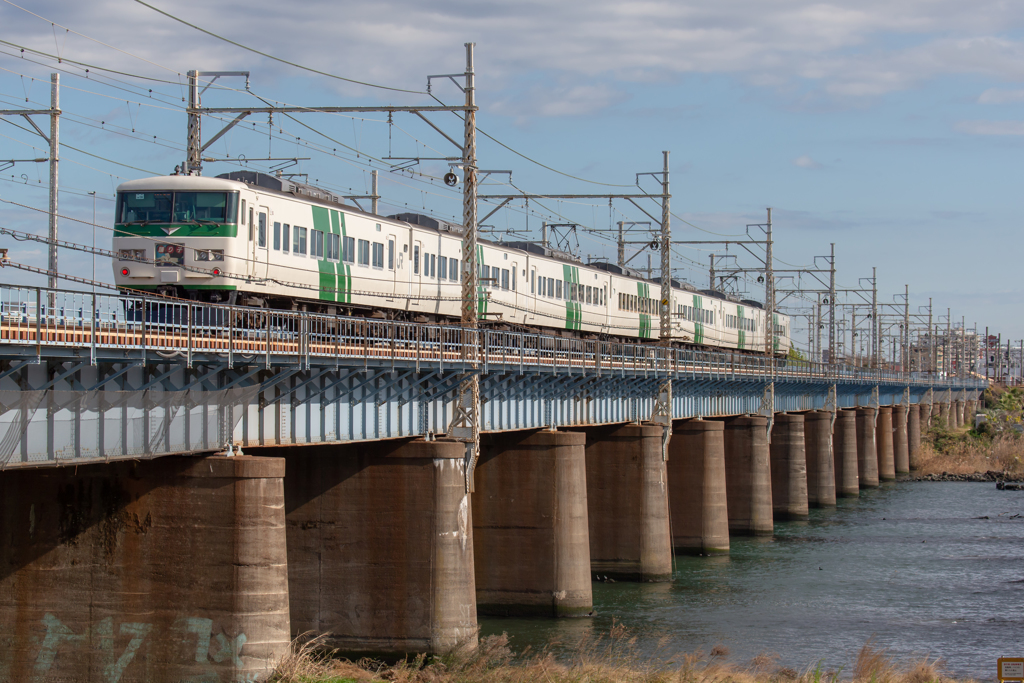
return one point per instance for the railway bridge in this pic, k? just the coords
(186, 487)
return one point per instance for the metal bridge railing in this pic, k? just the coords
(47, 319)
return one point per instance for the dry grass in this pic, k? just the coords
(614, 658)
(960, 453)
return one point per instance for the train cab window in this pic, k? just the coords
(416, 260)
(261, 234)
(316, 249)
(504, 278)
(299, 240)
(363, 255)
(443, 267)
(277, 236)
(286, 239)
(378, 255)
(348, 254)
(453, 269)
(333, 250)
(391, 254)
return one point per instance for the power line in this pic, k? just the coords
(269, 56)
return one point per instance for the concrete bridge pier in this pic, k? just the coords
(697, 487)
(900, 443)
(149, 571)
(944, 416)
(748, 477)
(627, 503)
(867, 449)
(530, 525)
(821, 476)
(960, 418)
(970, 410)
(844, 449)
(789, 467)
(380, 545)
(884, 444)
(914, 435)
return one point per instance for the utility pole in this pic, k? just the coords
(905, 352)
(947, 364)
(663, 411)
(832, 306)
(375, 199)
(53, 141)
(712, 272)
(54, 161)
(769, 299)
(621, 260)
(466, 423)
(874, 317)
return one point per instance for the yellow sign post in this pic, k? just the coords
(1010, 669)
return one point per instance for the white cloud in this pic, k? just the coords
(991, 127)
(998, 96)
(848, 49)
(806, 162)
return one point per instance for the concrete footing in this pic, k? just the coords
(530, 526)
(380, 546)
(789, 467)
(900, 444)
(627, 504)
(162, 570)
(867, 449)
(844, 451)
(884, 444)
(748, 481)
(697, 489)
(914, 436)
(821, 476)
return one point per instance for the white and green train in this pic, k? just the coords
(259, 240)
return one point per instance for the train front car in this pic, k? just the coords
(179, 236)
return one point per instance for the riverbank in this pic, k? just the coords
(614, 658)
(968, 455)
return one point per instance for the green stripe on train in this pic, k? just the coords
(573, 309)
(177, 231)
(742, 343)
(481, 291)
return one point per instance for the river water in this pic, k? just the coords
(928, 568)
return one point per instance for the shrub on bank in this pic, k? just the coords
(614, 658)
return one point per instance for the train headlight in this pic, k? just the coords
(131, 254)
(209, 254)
(216, 271)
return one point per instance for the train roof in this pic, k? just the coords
(179, 182)
(281, 185)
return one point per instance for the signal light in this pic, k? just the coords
(216, 271)
(125, 272)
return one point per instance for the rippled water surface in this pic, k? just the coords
(915, 564)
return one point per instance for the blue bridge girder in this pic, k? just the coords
(92, 377)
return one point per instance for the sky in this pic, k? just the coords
(892, 129)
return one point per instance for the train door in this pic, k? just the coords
(416, 276)
(391, 266)
(512, 295)
(248, 215)
(532, 304)
(262, 260)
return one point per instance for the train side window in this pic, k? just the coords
(453, 269)
(416, 260)
(391, 254)
(504, 278)
(299, 240)
(261, 234)
(333, 244)
(558, 289)
(241, 215)
(363, 255)
(485, 275)
(317, 248)
(433, 265)
(533, 282)
(348, 255)
(286, 237)
(443, 267)
(378, 255)
(277, 236)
